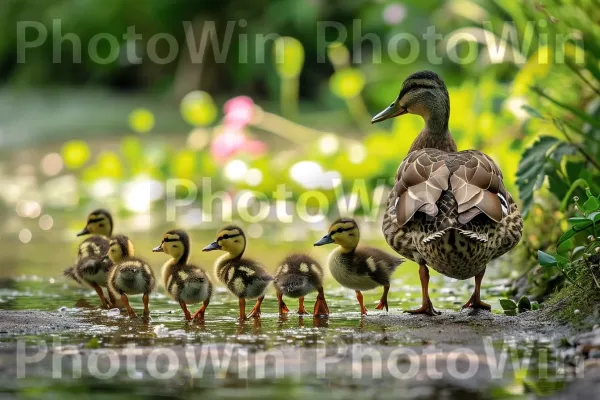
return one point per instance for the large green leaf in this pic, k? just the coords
(530, 174)
(546, 260)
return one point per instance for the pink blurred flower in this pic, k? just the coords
(232, 141)
(394, 13)
(238, 111)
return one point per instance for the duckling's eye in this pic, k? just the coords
(174, 246)
(340, 230)
(225, 236)
(101, 225)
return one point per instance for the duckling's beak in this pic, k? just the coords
(325, 240)
(212, 246)
(83, 232)
(394, 110)
(158, 249)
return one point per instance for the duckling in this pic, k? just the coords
(91, 266)
(130, 275)
(298, 275)
(362, 268)
(185, 283)
(244, 277)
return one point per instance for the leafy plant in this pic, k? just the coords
(512, 308)
(570, 257)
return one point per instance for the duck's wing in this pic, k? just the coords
(473, 179)
(375, 264)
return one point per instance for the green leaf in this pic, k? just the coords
(581, 114)
(532, 111)
(561, 261)
(508, 304)
(546, 260)
(594, 217)
(535, 305)
(530, 174)
(577, 252)
(591, 204)
(564, 248)
(524, 304)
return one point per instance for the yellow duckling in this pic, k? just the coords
(362, 268)
(92, 267)
(244, 277)
(130, 275)
(297, 276)
(186, 283)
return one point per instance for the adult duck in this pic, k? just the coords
(449, 209)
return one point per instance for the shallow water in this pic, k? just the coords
(35, 283)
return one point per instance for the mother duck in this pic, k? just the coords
(449, 209)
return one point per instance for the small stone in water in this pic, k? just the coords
(63, 309)
(576, 312)
(161, 330)
(113, 312)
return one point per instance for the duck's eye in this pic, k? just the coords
(340, 230)
(225, 236)
(174, 246)
(101, 225)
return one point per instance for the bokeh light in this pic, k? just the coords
(25, 235)
(357, 153)
(141, 120)
(329, 144)
(75, 153)
(347, 83)
(198, 108)
(235, 170)
(198, 139)
(307, 173)
(28, 209)
(51, 164)
(254, 177)
(394, 13)
(46, 222)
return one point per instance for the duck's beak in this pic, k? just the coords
(212, 246)
(324, 240)
(158, 249)
(394, 110)
(85, 231)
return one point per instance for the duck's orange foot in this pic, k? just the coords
(477, 305)
(255, 312)
(283, 309)
(426, 309)
(198, 315)
(382, 304)
(320, 307)
(302, 310)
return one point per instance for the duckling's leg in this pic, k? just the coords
(242, 305)
(282, 306)
(146, 300)
(112, 300)
(383, 302)
(301, 309)
(320, 304)
(100, 293)
(199, 315)
(186, 313)
(125, 301)
(475, 300)
(255, 312)
(427, 307)
(359, 297)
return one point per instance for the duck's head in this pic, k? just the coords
(423, 93)
(175, 243)
(343, 232)
(99, 222)
(120, 248)
(230, 239)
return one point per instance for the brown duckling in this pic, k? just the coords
(361, 268)
(185, 283)
(92, 267)
(243, 276)
(297, 276)
(130, 275)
